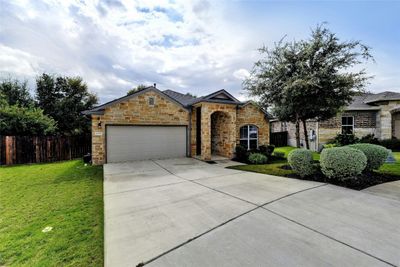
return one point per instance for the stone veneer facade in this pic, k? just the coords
(135, 111)
(227, 118)
(382, 123)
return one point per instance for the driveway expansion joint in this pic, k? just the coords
(226, 222)
(327, 236)
(143, 188)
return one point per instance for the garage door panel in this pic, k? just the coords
(128, 143)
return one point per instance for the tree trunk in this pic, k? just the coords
(306, 134)
(298, 133)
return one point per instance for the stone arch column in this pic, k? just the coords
(229, 127)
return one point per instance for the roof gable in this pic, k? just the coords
(252, 103)
(221, 95)
(100, 109)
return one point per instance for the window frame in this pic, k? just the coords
(248, 138)
(151, 99)
(347, 125)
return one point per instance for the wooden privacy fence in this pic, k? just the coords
(278, 138)
(35, 149)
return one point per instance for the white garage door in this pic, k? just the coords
(128, 143)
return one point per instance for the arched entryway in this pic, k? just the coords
(220, 134)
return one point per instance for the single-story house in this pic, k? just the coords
(377, 114)
(153, 124)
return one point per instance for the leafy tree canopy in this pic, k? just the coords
(15, 92)
(17, 120)
(64, 99)
(309, 79)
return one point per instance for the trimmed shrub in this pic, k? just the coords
(376, 155)
(241, 153)
(301, 161)
(258, 158)
(342, 163)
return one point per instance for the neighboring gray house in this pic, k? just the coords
(377, 114)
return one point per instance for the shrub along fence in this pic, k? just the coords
(35, 149)
(278, 138)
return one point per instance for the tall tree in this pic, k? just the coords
(64, 99)
(15, 92)
(76, 99)
(47, 95)
(309, 79)
(136, 89)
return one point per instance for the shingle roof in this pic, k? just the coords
(181, 98)
(366, 101)
(384, 96)
(188, 100)
(359, 103)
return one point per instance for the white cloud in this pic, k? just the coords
(17, 62)
(118, 67)
(241, 74)
(114, 45)
(187, 45)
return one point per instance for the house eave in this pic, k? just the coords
(99, 110)
(214, 101)
(93, 112)
(381, 100)
(363, 109)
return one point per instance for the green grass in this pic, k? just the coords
(393, 168)
(274, 167)
(67, 196)
(287, 149)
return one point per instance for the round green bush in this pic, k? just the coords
(258, 158)
(301, 161)
(376, 155)
(342, 163)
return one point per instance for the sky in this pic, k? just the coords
(195, 46)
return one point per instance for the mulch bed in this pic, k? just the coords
(357, 183)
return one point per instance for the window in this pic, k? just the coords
(249, 136)
(151, 101)
(347, 125)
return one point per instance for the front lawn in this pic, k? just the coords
(394, 168)
(279, 167)
(66, 196)
(287, 149)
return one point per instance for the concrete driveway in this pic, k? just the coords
(185, 212)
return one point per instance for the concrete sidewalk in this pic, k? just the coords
(184, 212)
(388, 190)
